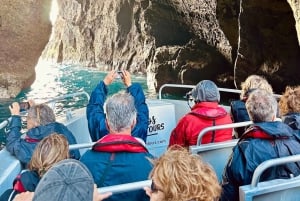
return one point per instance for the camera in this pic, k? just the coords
(24, 106)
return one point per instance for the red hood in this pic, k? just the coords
(210, 110)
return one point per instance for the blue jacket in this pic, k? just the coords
(96, 116)
(261, 142)
(293, 120)
(23, 148)
(118, 159)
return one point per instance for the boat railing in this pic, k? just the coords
(219, 127)
(275, 189)
(81, 146)
(121, 188)
(271, 163)
(52, 103)
(227, 90)
(191, 87)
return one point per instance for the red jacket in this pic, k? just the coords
(203, 114)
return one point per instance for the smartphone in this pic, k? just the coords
(120, 73)
(24, 106)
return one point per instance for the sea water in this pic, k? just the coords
(57, 80)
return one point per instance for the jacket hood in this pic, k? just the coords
(275, 128)
(38, 133)
(209, 110)
(293, 120)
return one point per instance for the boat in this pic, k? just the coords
(164, 113)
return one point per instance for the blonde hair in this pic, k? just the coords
(254, 82)
(49, 151)
(290, 100)
(184, 176)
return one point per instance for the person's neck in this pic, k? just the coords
(122, 132)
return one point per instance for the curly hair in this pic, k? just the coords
(254, 82)
(49, 151)
(185, 176)
(290, 100)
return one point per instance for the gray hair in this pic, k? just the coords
(261, 106)
(42, 114)
(120, 111)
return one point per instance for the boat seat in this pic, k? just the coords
(216, 154)
(275, 190)
(9, 169)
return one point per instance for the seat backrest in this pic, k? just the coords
(10, 167)
(275, 190)
(216, 154)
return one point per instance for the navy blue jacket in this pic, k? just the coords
(261, 142)
(239, 114)
(119, 159)
(96, 116)
(23, 148)
(293, 120)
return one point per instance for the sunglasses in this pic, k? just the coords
(154, 188)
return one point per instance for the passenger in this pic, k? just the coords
(181, 176)
(95, 108)
(266, 139)
(289, 107)
(40, 123)
(238, 109)
(49, 151)
(68, 180)
(206, 112)
(118, 157)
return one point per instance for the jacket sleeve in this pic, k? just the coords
(95, 112)
(141, 127)
(178, 134)
(14, 143)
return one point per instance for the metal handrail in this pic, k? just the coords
(270, 163)
(5, 122)
(81, 146)
(54, 100)
(238, 91)
(125, 187)
(191, 87)
(218, 127)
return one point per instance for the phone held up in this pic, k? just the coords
(120, 73)
(24, 106)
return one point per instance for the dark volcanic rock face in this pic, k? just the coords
(174, 41)
(24, 31)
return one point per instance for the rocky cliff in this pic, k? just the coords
(182, 41)
(179, 41)
(24, 31)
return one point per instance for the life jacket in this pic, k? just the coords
(119, 143)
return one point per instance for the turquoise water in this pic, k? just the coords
(56, 80)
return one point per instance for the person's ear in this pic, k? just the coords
(133, 124)
(107, 124)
